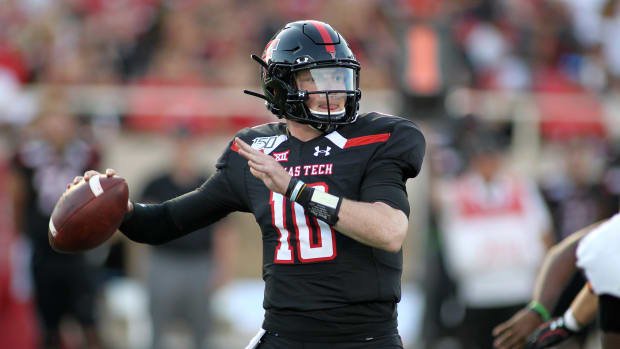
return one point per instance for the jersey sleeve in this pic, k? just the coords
(394, 162)
(220, 195)
(148, 194)
(597, 254)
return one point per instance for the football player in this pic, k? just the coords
(327, 188)
(595, 249)
(65, 284)
(553, 332)
(598, 255)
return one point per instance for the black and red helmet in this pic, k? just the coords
(316, 49)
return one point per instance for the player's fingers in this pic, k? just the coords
(243, 145)
(261, 171)
(248, 154)
(501, 342)
(501, 328)
(517, 343)
(77, 179)
(90, 174)
(256, 166)
(256, 173)
(512, 341)
(110, 172)
(259, 166)
(256, 155)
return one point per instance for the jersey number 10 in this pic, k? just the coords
(306, 227)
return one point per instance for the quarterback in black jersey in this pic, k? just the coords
(327, 188)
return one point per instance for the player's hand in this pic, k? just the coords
(91, 173)
(513, 333)
(265, 167)
(549, 334)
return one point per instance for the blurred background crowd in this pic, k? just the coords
(519, 101)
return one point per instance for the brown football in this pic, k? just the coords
(88, 214)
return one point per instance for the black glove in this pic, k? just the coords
(549, 334)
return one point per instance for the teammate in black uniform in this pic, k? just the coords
(327, 187)
(65, 284)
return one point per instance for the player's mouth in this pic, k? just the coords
(330, 107)
(334, 110)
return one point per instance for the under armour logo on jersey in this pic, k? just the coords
(317, 151)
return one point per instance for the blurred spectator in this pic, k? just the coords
(577, 195)
(184, 273)
(495, 229)
(426, 60)
(18, 327)
(48, 158)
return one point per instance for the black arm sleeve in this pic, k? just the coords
(150, 224)
(609, 313)
(216, 198)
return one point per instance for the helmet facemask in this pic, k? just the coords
(324, 97)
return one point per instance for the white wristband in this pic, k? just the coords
(296, 190)
(570, 322)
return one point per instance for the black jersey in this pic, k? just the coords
(318, 282)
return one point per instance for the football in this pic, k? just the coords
(88, 214)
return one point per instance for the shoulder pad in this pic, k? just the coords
(373, 122)
(264, 137)
(405, 146)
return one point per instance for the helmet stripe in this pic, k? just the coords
(271, 46)
(327, 39)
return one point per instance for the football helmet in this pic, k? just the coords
(310, 75)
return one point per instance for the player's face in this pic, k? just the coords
(326, 79)
(58, 128)
(488, 163)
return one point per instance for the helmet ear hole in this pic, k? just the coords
(280, 73)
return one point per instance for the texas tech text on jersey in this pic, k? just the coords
(310, 170)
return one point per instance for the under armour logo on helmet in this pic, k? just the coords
(317, 151)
